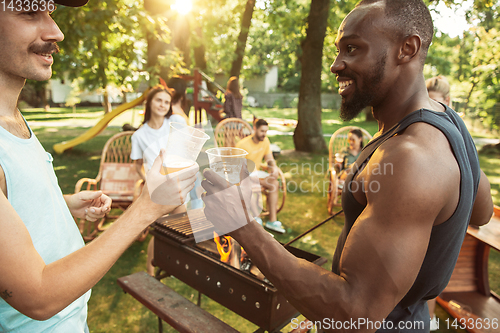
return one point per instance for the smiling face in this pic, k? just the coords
(160, 104)
(354, 141)
(28, 41)
(360, 65)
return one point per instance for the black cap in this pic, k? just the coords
(71, 3)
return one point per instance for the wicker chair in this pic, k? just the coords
(339, 141)
(231, 130)
(117, 178)
(228, 133)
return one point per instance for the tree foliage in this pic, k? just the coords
(308, 135)
(471, 62)
(105, 44)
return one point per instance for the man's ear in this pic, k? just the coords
(409, 49)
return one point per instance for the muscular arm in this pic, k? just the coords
(385, 248)
(483, 206)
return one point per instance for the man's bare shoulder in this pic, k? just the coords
(416, 168)
(421, 145)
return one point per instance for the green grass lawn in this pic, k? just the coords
(110, 310)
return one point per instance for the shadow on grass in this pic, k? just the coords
(52, 118)
(59, 111)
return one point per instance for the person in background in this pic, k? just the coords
(350, 154)
(347, 156)
(233, 100)
(150, 138)
(179, 101)
(153, 134)
(46, 270)
(258, 147)
(438, 89)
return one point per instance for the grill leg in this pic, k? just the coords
(199, 299)
(160, 325)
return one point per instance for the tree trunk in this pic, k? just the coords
(181, 39)
(105, 101)
(308, 135)
(199, 50)
(124, 96)
(101, 74)
(369, 114)
(471, 90)
(242, 38)
(155, 46)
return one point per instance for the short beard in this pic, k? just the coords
(363, 98)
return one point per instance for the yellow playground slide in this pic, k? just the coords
(59, 148)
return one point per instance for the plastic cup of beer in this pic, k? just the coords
(183, 147)
(339, 158)
(227, 162)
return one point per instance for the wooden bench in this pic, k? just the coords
(177, 311)
(171, 307)
(469, 283)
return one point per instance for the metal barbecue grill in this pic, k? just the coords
(198, 265)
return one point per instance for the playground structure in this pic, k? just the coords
(59, 148)
(203, 96)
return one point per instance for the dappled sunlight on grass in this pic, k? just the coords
(309, 239)
(289, 113)
(490, 164)
(331, 121)
(494, 271)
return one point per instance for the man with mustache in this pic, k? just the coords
(46, 271)
(403, 227)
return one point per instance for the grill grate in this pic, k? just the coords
(182, 227)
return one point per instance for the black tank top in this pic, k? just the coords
(446, 238)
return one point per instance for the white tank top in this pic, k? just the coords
(33, 191)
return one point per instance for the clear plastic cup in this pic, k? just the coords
(227, 162)
(183, 147)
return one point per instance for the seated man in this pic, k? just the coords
(258, 147)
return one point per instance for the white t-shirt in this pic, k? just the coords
(147, 142)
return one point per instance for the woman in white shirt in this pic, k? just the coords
(153, 134)
(150, 138)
